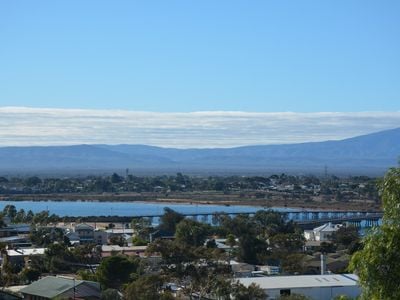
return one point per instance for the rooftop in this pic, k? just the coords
(83, 226)
(109, 248)
(50, 286)
(301, 281)
(327, 227)
(26, 251)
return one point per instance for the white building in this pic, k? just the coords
(322, 233)
(316, 287)
(21, 257)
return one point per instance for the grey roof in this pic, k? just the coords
(83, 226)
(10, 239)
(51, 286)
(328, 227)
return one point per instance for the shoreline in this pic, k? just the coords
(221, 200)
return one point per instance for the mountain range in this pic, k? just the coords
(370, 154)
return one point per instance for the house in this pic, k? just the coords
(322, 233)
(15, 235)
(88, 235)
(240, 269)
(269, 270)
(6, 295)
(109, 250)
(222, 244)
(52, 287)
(85, 233)
(20, 256)
(316, 287)
(124, 233)
(161, 234)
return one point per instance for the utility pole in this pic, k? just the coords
(74, 288)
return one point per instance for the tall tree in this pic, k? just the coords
(114, 271)
(377, 263)
(191, 232)
(170, 219)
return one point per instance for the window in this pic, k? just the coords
(285, 292)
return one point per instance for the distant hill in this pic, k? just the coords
(369, 154)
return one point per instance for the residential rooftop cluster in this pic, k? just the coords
(179, 258)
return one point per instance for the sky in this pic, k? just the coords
(251, 63)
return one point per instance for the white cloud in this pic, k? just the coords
(22, 126)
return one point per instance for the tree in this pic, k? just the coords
(142, 228)
(110, 294)
(29, 275)
(32, 181)
(115, 178)
(252, 292)
(58, 258)
(20, 216)
(170, 219)
(377, 263)
(251, 249)
(117, 240)
(116, 270)
(191, 232)
(144, 288)
(10, 211)
(2, 223)
(346, 236)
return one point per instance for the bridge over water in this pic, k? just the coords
(305, 218)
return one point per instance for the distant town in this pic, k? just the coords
(354, 192)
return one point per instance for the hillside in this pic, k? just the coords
(369, 154)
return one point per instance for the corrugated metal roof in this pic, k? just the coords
(50, 286)
(301, 281)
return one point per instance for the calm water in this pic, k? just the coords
(92, 208)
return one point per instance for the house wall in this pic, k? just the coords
(318, 293)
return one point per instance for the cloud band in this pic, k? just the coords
(22, 126)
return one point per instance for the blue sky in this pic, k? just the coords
(185, 56)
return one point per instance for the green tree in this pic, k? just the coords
(20, 216)
(10, 211)
(170, 219)
(110, 294)
(251, 249)
(377, 263)
(115, 178)
(191, 232)
(58, 258)
(29, 275)
(114, 271)
(144, 288)
(142, 227)
(252, 292)
(345, 236)
(32, 181)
